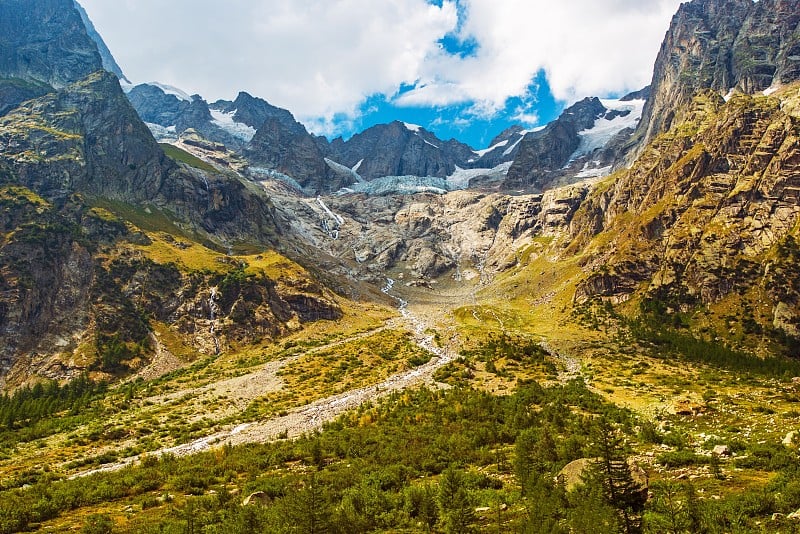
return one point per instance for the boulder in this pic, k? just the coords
(721, 450)
(258, 498)
(572, 473)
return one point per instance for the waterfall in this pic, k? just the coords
(337, 220)
(212, 312)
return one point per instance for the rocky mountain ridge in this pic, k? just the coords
(85, 180)
(53, 51)
(728, 46)
(102, 231)
(584, 142)
(706, 217)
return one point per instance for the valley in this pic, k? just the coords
(214, 320)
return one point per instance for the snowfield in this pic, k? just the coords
(604, 130)
(226, 122)
(174, 91)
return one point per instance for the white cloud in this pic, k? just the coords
(317, 58)
(586, 47)
(321, 59)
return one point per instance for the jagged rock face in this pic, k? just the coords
(45, 275)
(45, 41)
(75, 295)
(398, 150)
(84, 138)
(155, 106)
(194, 114)
(543, 154)
(109, 63)
(507, 147)
(177, 116)
(88, 139)
(276, 141)
(288, 148)
(709, 209)
(767, 49)
(253, 111)
(14, 92)
(721, 45)
(424, 237)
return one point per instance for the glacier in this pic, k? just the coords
(604, 129)
(225, 121)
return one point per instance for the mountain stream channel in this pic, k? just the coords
(311, 417)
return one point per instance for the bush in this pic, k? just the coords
(681, 459)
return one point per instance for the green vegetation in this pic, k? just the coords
(421, 461)
(180, 155)
(29, 405)
(682, 344)
(370, 470)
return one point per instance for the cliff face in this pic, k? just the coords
(288, 148)
(82, 290)
(399, 149)
(723, 45)
(107, 58)
(45, 41)
(88, 139)
(709, 212)
(44, 45)
(81, 175)
(90, 203)
(253, 111)
(584, 142)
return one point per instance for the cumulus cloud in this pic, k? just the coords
(322, 59)
(318, 58)
(585, 47)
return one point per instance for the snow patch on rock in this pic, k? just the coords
(174, 91)
(461, 177)
(225, 121)
(604, 129)
(481, 153)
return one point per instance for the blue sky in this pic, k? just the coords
(461, 68)
(459, 121)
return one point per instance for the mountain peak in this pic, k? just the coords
(109, 63)
(722, 45)
(45, 41)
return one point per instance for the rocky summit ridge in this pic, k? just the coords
(728, 46)
(102, 231)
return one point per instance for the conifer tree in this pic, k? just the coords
(611, 473)
(455, 503)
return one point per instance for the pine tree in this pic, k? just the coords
(309, 509)
(694, 514)
(455, 503)
(667, 513)
(611, 472)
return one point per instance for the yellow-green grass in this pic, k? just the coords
(180, 155)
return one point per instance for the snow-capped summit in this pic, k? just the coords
(583, 142)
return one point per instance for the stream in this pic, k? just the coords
(311, 417)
